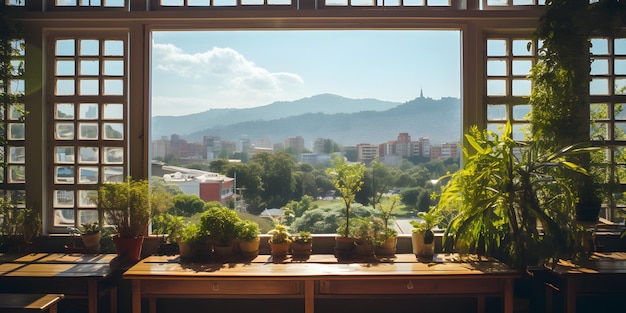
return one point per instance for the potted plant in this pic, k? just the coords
(188, 240)
(221, 223)
(249, 239)
(19, 226)
(348, 180)
(128, 207)
(302, 245)
(512, 201)
(279, 241)
(386, 239)
(422, 236)
(168, 228)
(90, 234)
(365, 230)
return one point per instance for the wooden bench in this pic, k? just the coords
(23, 302)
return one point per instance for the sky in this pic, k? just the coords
(194, 71)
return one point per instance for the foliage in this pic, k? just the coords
(366, 229)
(506, 190)
(300, 207)
(190, 233)
(280, 234)
(426, 224)
(187, 205)
(347, 179)
(90, 228)
(168, 224)
(130, 205)
(302, 237)
(17, 221)
(248, 230)
(277, 177)
(385, 213)
(327, 219)
(221, 223)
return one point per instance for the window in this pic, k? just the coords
(89, 119)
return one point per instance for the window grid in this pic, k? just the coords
(508, 62)
(13, 129)
(608, 117)
(89, 121)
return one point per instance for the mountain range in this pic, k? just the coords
(346, 121)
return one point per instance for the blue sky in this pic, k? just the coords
(195, 71)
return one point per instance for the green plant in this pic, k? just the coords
(248, 230)
(17, 222)
(130, 205)
(513, 201)
(302, 237)
(221, 223)
(428, 221)
(168, 226)
(385, 213)
(280, 234)
(90, 228)
(348, 180)
(365, 229)
(189, 233)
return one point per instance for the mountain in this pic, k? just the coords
(439, 120)
(323, 103)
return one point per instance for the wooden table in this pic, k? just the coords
(21, 302)
(319, 277)
(604, 273)
(75, 275)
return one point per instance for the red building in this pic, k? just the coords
(218, 189)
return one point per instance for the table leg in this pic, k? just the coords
(481, 304)
(92, 295)
(136, 296)
(509, 297)
(113, 296)
(570, 295)
(53, 309)
(309, 296)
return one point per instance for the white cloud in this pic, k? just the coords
(222, 74)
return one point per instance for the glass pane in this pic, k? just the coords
(16, 131)
(89, 87)
(65, 68)
(202, 2)
(63, 218)
(84, 197)
(64, 175)
(619, 112)
(620, 86)
(620, 130)
(17, 174)
(88, 131)
(88, 175)
(496, 68)
(438, 3)
(89, 47)
(17, 155)
(87, 216)
(88, 111)
(496, 87)
(88, 155)
(64, 155)
(64, 111)
(356, 2)
(64, 87)
(599, 131)
(113, 48)
(599, 86)
(496, 112)
(90, 67)
(600, 67)
(178, 3)
(496, 47)
(14, 112)
(113, 131)
(221, 3)
(113, 174)
(620, 67)
(113, 155)
(114, 87)
(113, 111)
(521, 87)
(520, 131)
(65, 47)
(522, 67)
(114, 68)
(64, 131)
(252, 2)
(63, 198)
(620, 46)
(599, 46)
(520, 47)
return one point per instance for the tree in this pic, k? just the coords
(277, 176)
(218, 166)
(187, 205)
(347, 179)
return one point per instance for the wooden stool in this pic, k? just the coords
(24, 302)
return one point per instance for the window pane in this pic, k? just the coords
(88, 111)
(89, 47)
(113, 68)
(113, 174)
(496, 67)
(63, 218)
(65, 47)
(84, 198)
(88, 131)
(64, 175)
(88, 155)
(89, 67)
(64, 155)
(113, 131)
(496, 112)
(88, 175)
(496, 47)
(64, 131)
(17, 154)
(113, 155)
(113, 48)
(64, 111)
(113, 111)
(65, 68)
(16, 131)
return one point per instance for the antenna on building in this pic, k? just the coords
(421, 92)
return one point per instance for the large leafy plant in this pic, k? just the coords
(512, 201)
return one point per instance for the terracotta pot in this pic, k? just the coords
(186, 250)
(300, 249)
(344, 247)
(280, 249)
(129, 247)
(364, 250)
